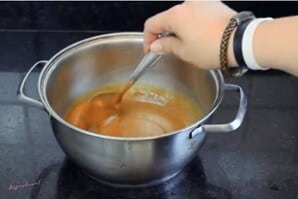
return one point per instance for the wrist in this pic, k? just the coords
(262, 43)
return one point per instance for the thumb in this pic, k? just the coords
(166, 45)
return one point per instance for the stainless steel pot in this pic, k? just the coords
(110, 58)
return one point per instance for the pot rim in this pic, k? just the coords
(49, 68)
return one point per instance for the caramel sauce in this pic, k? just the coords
(143, 112)
(118, 97)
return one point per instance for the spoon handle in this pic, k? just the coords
(147, 62)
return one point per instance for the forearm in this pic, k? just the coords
(276, 44)
(199, 26)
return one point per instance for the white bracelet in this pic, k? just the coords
(247, 44)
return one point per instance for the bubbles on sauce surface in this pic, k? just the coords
(143, 112)
(150, 97)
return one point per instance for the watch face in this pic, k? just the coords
(235, 72)
(239, 72)
(245, 15)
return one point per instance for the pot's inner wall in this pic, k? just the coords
(101, 62)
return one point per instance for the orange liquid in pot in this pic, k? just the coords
(143, 112)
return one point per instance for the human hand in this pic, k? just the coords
(198, 27)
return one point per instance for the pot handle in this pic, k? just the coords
(20, 92)
(227, 127)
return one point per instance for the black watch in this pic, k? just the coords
(243, 19)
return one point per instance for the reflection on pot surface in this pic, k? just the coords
(190, 183)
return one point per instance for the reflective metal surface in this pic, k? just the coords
(110, 59)
(20, 91)
(147, 62)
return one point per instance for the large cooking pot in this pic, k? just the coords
(110, 58)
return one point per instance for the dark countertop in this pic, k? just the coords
(257, 161)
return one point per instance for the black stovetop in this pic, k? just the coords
(257, 161)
